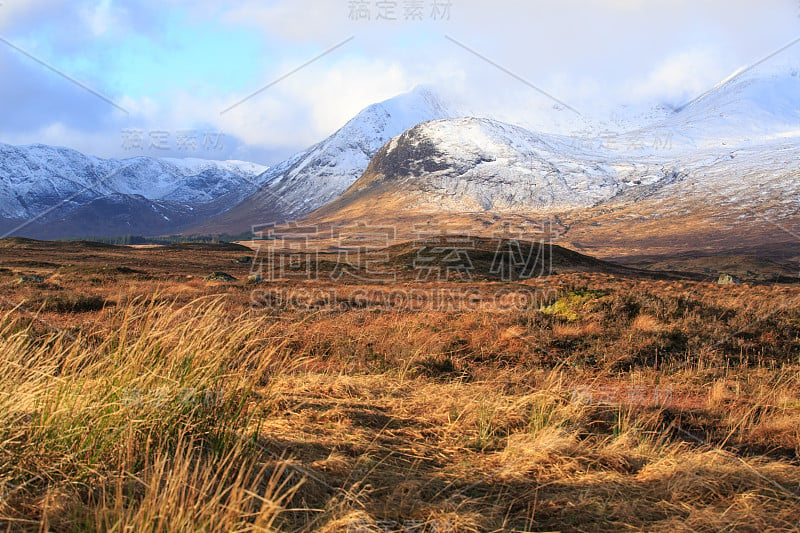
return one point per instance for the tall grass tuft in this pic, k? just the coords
(141, 424)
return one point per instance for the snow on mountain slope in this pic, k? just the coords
(513, 167)
(761, 181)
(489, 165)
(745, 200)
(189, 182)
(751, 108)
(322, 173)
(737, 144)
(479, 165)
(469, 165)
(37, 177)
(191, 166)
(735, 148)
(47, 183)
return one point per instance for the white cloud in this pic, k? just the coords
(682, 76)
(99, 17)
(322, 99)
(595, 55)
(294, 21)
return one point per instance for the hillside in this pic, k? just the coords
(320, 174)
(720, 175)
(52, 192)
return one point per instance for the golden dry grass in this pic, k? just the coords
(177, 405)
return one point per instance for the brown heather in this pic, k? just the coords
(173, 405)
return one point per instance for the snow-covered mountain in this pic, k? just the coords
(319, 175)
(749, 108)
(50, 189)
(468, 165)
(733, 151)
(735, 148)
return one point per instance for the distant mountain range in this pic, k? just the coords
(52, 192)
(731, 153)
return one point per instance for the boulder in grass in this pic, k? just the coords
(221, 276)
(255, 278)
(30, 279)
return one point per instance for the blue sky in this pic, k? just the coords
(174, 65)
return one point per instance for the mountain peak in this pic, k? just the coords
(320, 174)
(750, 106)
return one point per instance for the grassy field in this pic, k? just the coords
(135, 395)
